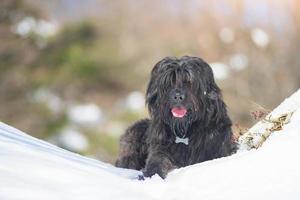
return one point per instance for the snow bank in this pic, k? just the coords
(33, 169)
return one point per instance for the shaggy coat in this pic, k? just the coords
(185, 104)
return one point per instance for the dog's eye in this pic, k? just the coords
(187, 83)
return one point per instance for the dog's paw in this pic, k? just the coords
(141, 178)
(151, 173)
(148, 173)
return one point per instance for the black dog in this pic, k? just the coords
(188, 120)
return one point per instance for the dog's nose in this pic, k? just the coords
(178, 97)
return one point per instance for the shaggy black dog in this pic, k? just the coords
(188, 120)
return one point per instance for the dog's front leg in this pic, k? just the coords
(157, 163)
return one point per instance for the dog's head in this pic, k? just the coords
(182, 91)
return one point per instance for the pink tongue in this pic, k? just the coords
(178, 112)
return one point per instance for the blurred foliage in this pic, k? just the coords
(14, 51)
(67, 58)
(104, 147)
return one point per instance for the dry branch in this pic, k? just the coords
(275, 121)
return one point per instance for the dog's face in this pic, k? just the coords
(182, 91)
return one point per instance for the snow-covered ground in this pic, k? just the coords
(33, 169)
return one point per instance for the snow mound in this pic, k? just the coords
(33, 169)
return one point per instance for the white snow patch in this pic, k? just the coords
(85, 114)
(33, 169)
(220, 70)
(238, 61)
(226, 35)
(40, 27)
(25, 26)
(135, 101)
(73, 140)
(46, 28)
(46, 96)
(260, 37)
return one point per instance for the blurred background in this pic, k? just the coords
(74, 72)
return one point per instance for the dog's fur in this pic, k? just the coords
(149, 145)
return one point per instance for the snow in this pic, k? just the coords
(33, 169)
(88, 114)
(226, 35)
(25, 26)
(72, 139)
(49, 98)
(238, 61)
(135, 101)
(220, 70)
(260, 37)
(40, 27)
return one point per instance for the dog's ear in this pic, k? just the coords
(151, 93)
(216, 108)
(152, 89)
